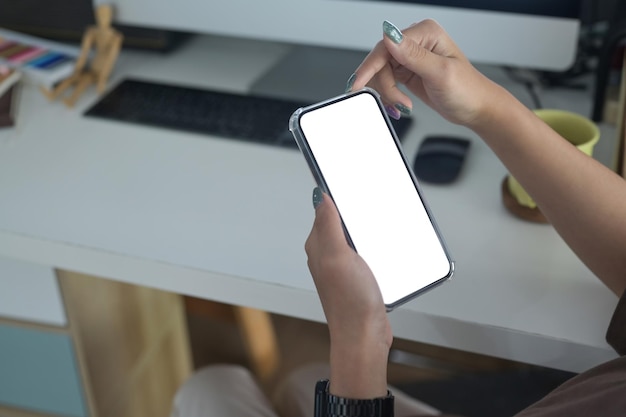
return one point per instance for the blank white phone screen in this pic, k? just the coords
(375, 195)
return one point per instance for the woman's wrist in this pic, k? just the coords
(495, 99)
(358, 368)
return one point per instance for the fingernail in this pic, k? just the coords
(403, 109)
(350, 82)
(392, 32)
(318, 197)
(392, 112)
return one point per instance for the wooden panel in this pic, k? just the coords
(38, 372)
(133, 344)
(30, 292)
(154, 387)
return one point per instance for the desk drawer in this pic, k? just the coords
(39, 372)
(30, 292)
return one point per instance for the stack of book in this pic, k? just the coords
(42, 62)
(9, 84)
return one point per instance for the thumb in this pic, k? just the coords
(327, 227)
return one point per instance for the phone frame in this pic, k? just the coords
(294, 127)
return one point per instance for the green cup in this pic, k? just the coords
(576, 129)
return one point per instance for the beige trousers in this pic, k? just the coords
(231, 391)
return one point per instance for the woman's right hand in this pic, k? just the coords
(431, 66)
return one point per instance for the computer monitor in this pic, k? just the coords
(333, 35)
(539, 34)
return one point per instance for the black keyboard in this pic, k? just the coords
(236, 116)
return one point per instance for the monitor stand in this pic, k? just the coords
(309, 74)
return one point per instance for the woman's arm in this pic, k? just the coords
(584, 200)
(360, 334)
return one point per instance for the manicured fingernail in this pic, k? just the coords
(403, 109)
(393, 112)
(392, 32)
(318, 197)
(350, 83)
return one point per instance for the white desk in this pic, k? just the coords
(227, 220)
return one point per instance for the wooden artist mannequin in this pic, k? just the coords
(106, 43)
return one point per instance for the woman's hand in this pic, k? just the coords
(357, 320)
(431, 66)
(557, 175)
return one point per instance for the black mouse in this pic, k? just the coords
(439, 159)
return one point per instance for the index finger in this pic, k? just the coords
(421, 51)
(374, 62)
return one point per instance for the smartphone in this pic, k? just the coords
(356, 158)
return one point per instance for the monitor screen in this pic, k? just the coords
(537, 34)
(553, 8)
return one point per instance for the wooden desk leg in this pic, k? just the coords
(259, 339)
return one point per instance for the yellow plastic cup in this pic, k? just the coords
(575, 128)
